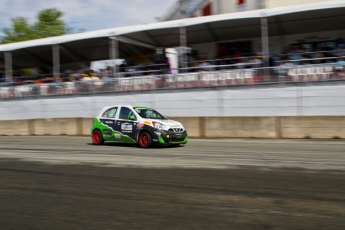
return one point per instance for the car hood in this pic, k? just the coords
(169, 123)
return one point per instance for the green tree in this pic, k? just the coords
(48, 24)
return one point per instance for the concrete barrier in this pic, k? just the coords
(56, 127)
(16, 127)
(240, 127)
(209, 127)
(313, 127)
(86, 124)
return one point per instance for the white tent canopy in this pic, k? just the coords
(94, 45)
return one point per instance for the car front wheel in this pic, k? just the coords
(145, 140)
(97, 137)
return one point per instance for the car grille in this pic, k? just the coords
(176, 130)
(176, 139)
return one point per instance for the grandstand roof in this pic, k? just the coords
(94, 45)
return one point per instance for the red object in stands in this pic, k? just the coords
(206, 11)
(240, 2)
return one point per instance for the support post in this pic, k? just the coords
(113, 53)
(265, 40)
(56, 62)
(8, 67)
(220, 8)
(183, 45)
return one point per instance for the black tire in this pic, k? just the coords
(97, 138)
(145, 140)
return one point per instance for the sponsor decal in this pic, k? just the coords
(158, 133)
(178, 136)
(126, 128)
(140, 125)
(103, 127)
(117, 135)
(155, 140)
(147, 122)
(107, 132)
(108, 122)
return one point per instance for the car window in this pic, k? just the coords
(125, 113)
(110, 113)
(149, 113)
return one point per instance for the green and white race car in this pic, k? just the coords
(136, 124)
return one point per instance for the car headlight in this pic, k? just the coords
(158, 125)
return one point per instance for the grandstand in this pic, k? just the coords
(66, 59)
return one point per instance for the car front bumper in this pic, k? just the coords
(163, 137)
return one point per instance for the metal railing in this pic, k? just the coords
(221, 78)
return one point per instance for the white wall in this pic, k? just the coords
(249, 101)
(230, 6)
(280, 3)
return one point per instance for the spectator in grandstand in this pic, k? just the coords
(74, 76)
(49, 78)
(328, 53)
(105, 77)
(256, 62)
(317, 55)
(122, 67)
(39, 81)
(284, 67)
(237, 57)
(193, 66)
(94, 77)
(242, 63)
(339, 66)
(17, 80)
(85, 77)
(2, 78)
(286, 64)
(204, 64)
(131, 70)
(64, 77)
(220, 61)
(340, 41)
(294, 56)
(339, 52)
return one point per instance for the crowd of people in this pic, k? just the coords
(293, 55)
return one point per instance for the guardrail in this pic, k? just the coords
(224, 78)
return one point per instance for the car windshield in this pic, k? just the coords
(149, 113)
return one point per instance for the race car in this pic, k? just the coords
(136, 124)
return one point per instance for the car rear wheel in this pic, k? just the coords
(145, 140)
(97, 137)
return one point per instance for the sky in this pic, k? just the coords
(88, 15)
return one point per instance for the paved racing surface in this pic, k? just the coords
(67, 183)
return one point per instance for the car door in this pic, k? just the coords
(108, 119)
(126, 122)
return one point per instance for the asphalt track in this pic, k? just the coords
(67, 183)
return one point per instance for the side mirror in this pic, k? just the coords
(133, 118)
